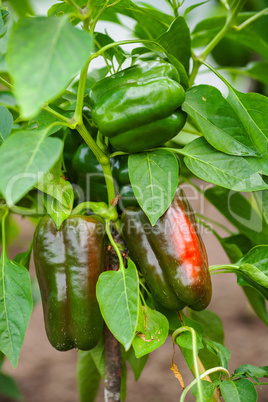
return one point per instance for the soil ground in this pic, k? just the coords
(46, 375)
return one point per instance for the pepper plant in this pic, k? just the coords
(95, 156)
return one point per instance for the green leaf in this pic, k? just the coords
(88, 377)
(56, 210)
(222, 353)
(228, 171)
(8, 387)
(153, 334)
(177, 41)
(190, 8)
(257, 302)
(118, 297)
(98, 356)
(211, 323)
(64, 51)
(252, 270)
(257, 256)
(24, 258)
(22, 7)
(248, 370)
(242, 212)
(44, 119)
(8, 99)
(53, 184)
(253, 109)
(238, 391)
(59, 9)
(137, 364)
(218, 121)
(184, 340)
(150, 21)
(154, 178)
(6, 122)
(102, 40)
(236, 246)
(22, 170)
(252, 276)
(16, 306)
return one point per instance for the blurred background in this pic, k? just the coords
(44, 374)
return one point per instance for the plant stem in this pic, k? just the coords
(6, 83)
(3, 223)
(229, 24)
(251, 19)
(175, 8)
(57, 115)
(124, 42)
(210, 371)
(113, 243)
(195, 355)
(216, 393)
(81, 87)
(113, 368)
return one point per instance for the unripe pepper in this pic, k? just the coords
(91, 179)
(68, 263)
(171, 255)
(139, 108)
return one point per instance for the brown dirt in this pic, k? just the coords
(44, 374)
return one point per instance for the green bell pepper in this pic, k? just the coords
(139, 107)
(68, 263)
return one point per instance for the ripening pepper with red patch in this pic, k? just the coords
(170, 255)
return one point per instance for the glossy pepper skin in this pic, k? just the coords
(171, 255)
(139, 107)
(89, 173)
(91, 179)
(68, 263)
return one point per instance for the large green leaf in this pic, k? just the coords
(177, 41)
(118, 297)
(253, 110)
(16, 306)
(154, 178)
(218, 121)
(57, 52)
(228, 171)
(20, 171)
